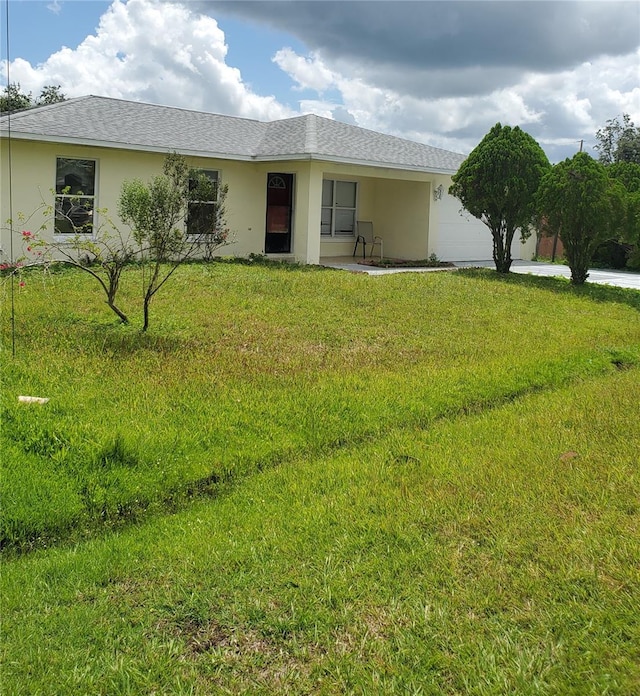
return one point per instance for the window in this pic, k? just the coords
(203, 211)
(338, 208)
(75, 195)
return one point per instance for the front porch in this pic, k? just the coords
(397, 204)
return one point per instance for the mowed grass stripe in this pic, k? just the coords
(493, 553)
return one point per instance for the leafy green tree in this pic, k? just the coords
(619, 149)
(13, 99)
(619, 141)
(497, 184)
(50, 94)
(158, 213)
(580, 201)
(628, 175)
(175, 217)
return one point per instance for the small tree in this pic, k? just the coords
(158, 214)
(497, 184)
(102, 252)
(581, 202)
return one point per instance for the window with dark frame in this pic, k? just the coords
(75, 195)
(202, 214)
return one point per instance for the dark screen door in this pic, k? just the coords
(278, 224)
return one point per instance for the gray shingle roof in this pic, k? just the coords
(133, 125)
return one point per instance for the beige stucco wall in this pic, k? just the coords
(33, 179)
(402, 209)
(307, 202)
(33, 171)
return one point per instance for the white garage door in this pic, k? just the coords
(461, 237)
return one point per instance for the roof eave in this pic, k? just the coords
(354, 162)
(300, 157)
(111, 145)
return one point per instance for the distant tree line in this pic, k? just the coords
(14, 99)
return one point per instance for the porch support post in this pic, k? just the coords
(308, 214)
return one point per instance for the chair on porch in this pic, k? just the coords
(364, 236)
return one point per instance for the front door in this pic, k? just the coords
(278, 226)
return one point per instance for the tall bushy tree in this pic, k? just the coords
(497, 184)
(619, 150)
(581, 202)
(628, 175)
(619, 141)
(157, 213)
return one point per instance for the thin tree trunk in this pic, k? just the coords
(145, 313)
(501, 251)
(121, 315)
(111, 297)
(148, 295)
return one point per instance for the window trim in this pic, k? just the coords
(218, 180)
(334, 207)
(62, 196)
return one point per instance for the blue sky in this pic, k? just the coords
(437, 72)
(38, 28)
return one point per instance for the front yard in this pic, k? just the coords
(309, 481)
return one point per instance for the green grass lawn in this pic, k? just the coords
(417, 483)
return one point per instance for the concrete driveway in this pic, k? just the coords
(621, 279)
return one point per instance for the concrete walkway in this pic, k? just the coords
(621, 279)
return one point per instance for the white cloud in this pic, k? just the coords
(308, 73)
(559, 109)
(151, 51)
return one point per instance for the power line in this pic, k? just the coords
(10, 191)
